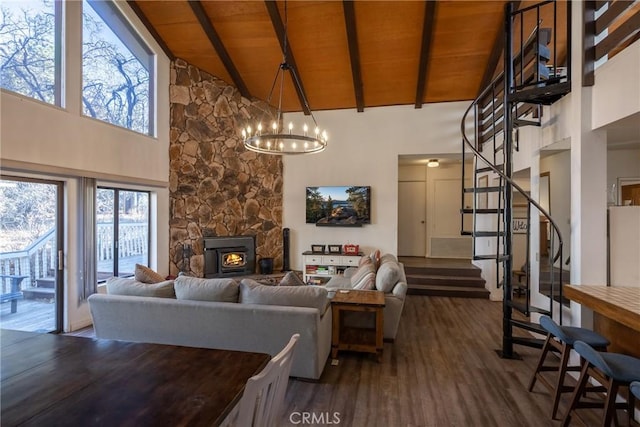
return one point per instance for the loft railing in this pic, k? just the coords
(610, 27)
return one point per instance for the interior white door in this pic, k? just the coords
(412, 236)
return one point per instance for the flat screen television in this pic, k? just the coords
(348, 206)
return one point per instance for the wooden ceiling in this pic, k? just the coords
(349, 55)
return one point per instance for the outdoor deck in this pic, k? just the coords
(38, 315)
(32, 315)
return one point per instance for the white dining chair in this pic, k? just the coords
(262, 401)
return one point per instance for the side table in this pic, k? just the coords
(357, 339)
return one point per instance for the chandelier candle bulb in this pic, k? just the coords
(278, 141)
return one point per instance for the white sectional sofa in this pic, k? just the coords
(224, 314)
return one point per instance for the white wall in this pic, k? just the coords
(622, 164)
(45, 141)
(559, 168)
(363, 150)
(616, 93)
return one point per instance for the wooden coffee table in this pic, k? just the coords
(365, 340)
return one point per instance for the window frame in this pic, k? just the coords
(116, 227)
(123, 28)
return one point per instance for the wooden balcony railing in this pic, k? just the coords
(616, 27)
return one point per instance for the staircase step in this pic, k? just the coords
(522, 122)
(35, 293)
(499, 148)
(471, 271)
(489, 169)
(528, 326)
(482, 233)
(500, 257)
(445, 280)
(46, 282)
(481, 211)
(522, 308)
(545, 95)
(482, 189)
(529, 342)
(448, 291)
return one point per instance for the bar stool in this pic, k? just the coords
(612, 370)
(562, 338)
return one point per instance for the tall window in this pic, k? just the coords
(122, 231)
(30, 48)
(117, 69)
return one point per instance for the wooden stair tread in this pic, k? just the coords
(449, 281)
(448, 291)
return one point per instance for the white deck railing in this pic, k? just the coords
(38, 260)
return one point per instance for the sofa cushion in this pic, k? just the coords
(365, 277)
(291, 279)
(292, 296)
(197, 289)
(388, 258)
(131, 287)
(144, 274)
(387, 276)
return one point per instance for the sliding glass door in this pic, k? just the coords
(122, 231)
(31, 254)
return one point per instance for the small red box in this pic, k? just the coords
(351, 249)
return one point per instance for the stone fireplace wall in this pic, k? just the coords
(216, 186)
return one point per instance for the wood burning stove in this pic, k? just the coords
(229, 256)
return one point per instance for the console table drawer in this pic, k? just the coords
(313, 259)
(351, 261)
(331, 259)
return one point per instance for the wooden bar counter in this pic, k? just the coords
(616, 313)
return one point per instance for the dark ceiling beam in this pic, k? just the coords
(215, 40)
(278, 27)
(496, 52)
(141, 16)
(428, 27)
(354, 52)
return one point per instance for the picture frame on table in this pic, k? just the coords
(317, 249)
(334, 249)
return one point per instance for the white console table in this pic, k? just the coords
(320, 268)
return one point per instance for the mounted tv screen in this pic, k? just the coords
(338, 206)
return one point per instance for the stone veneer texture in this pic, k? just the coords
(216, 186)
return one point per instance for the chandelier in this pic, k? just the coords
(271, 136)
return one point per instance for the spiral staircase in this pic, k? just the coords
(532, 77)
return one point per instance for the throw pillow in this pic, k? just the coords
(292, 296)
(387, 276)
(146, 275)
(364, 260)
(375, 258)
(291, 279)
(197, 289)
(251, 283)
(365, 277)
(131, 287)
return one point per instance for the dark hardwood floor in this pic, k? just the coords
(441, 371)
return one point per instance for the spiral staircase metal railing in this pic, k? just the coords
(512, 100)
